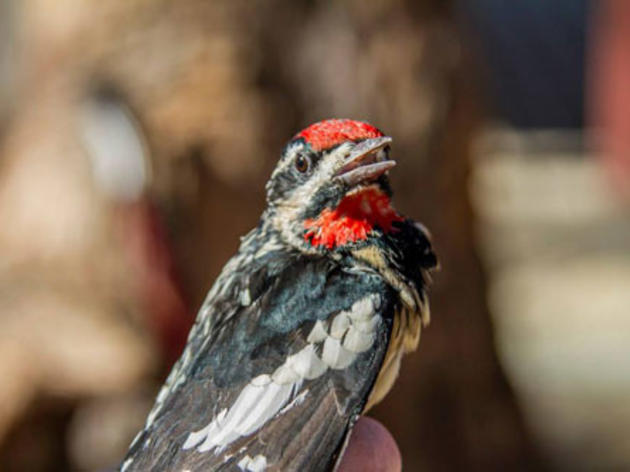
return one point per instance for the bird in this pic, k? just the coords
(304, 329)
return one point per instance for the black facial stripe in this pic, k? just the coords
(290, 178)
(327, 197)
(330, 196)
(308, 151)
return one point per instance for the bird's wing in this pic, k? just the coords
(279, 381)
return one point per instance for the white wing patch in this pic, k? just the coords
(349, 333)
(255, 405)
(255, 464)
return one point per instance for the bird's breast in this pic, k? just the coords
(409, 317)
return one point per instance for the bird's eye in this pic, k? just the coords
(302, 163)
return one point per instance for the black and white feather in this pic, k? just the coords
(293, 342)
(285, 351)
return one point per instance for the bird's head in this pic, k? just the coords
(330, 188)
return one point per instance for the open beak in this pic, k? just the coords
(366, 162)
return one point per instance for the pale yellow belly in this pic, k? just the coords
(404, 338)
(407, 323)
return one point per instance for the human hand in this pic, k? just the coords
(371, 449)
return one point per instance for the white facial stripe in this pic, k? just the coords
(291, 153)
(288, 212)
(266, 396)
(328, 165)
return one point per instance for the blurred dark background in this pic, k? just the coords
(135, 140)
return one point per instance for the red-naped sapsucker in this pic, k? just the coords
(305, 327)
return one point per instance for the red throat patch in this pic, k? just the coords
(328, 133)
(353, 219)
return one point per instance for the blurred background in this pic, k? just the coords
(135, 140)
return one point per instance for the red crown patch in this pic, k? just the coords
(328, 133)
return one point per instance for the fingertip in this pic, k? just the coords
(371, 449)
